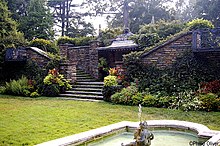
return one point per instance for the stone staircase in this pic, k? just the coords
(85, 87)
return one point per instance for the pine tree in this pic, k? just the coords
(9, 35)
(38, 22)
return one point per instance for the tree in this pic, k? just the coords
(9, 35)
(131, 13)
(208, 10)
(184, 10)
(18, 8)
(80, 28)
(64, 13)
(38, 22)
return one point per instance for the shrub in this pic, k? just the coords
(162, 28)
(17, 87)
(103, 68)
(137, 98)
(2, 89)
(149, 100)
(210, 87)
(51, 90)
(113, 72)
(108, 91)
(79, 41)
(54, 78)
(45, 45)
(146, 40)
(125, 95)
(210, 102)
(110, 81)
(185, 101)
(199, 24)
(34, 94)
(164, 101)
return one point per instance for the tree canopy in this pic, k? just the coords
(38, 22)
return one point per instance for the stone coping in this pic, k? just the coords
(39, 51)
(92, 134)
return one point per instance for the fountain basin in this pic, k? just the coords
(200, 130)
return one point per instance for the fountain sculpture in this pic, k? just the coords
(142, 136)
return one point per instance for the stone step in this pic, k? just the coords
(88, 89)
(90, 83)
(83, 92)
(83, 96)
(79, 76)
(85, 80)
(88, 86)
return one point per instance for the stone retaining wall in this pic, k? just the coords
(38, 56)
(165, 55)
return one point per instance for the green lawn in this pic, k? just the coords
(26, 121)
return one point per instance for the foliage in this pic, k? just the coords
(149, 100)
(151, 34)
(38, 22)
(80, 28)
(108, 35)
(54, 83)
(54, 77)
(199, 24)
(21, 87)
(125, 96)
(208, 10)
(45, 45)
(9, 36)
(185, 74)
(137, 98)
(210, 87)
(146, 40)
(113, 72)
(79, 41)
(162, 28)
(110, 81)
(140, 12)
(210, 102)
(103, 68)
(108, 91)
(51, 90)
(186, 101)
(34, 94)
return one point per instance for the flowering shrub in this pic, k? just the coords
(54, 77)
(113, 71)
(110, 81)
(55, 83)
(210, 87)
(210, 102)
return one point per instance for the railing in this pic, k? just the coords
(206, 40)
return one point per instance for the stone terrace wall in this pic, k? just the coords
(83, 57)
(38, 56)
(165, 55)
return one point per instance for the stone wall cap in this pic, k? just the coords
(39, 51)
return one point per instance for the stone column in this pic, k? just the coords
(94, 59)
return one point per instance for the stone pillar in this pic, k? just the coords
(94, 59)
(69, 71)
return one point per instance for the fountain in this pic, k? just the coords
(142, 135)
(166, 132)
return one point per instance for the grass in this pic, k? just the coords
(26, 121)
